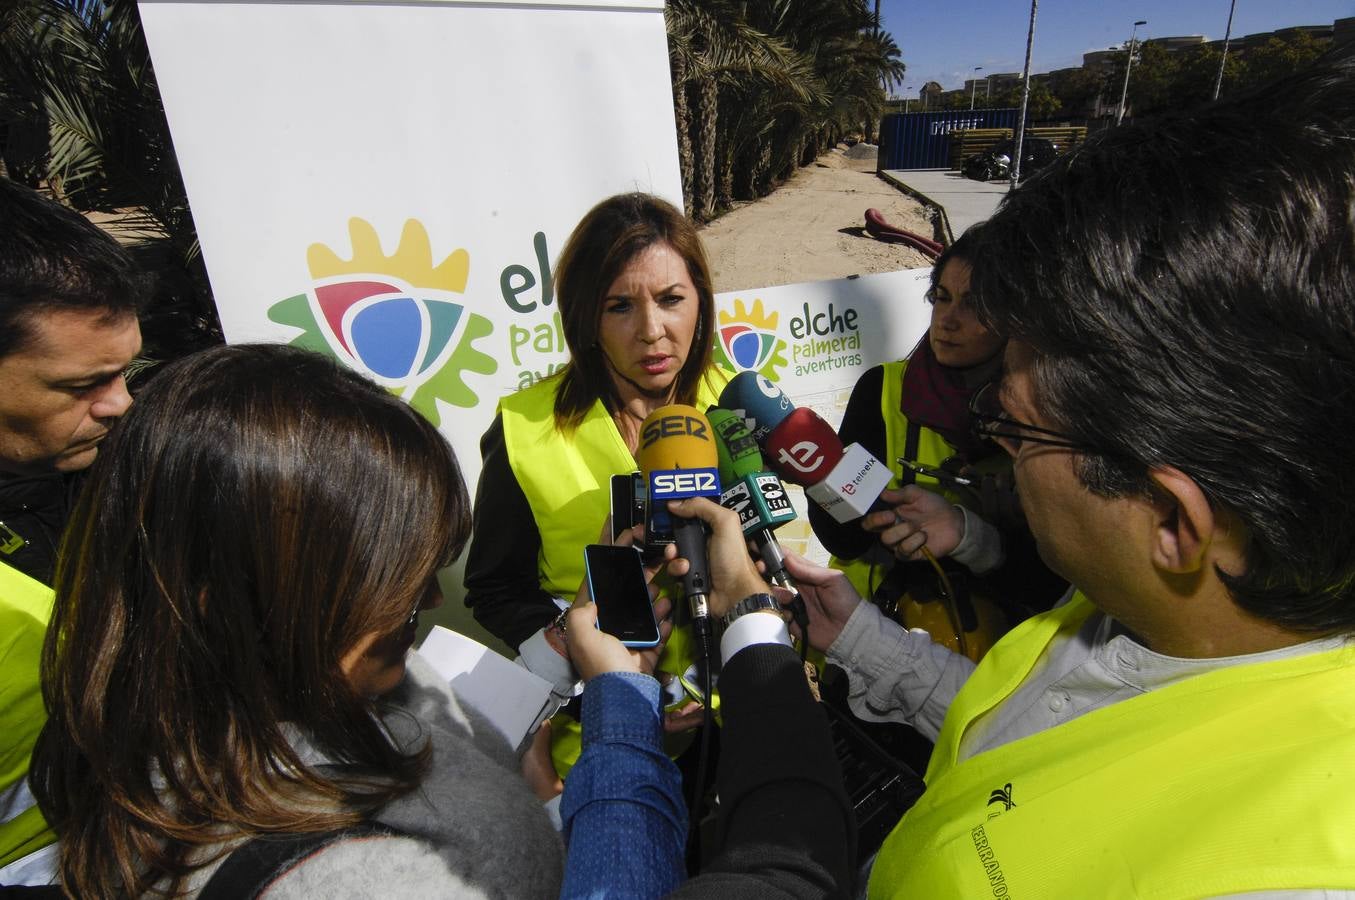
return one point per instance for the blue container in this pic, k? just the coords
(921, 140)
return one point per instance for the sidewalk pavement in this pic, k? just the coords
(961, 200)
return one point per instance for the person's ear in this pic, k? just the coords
(1183, 521)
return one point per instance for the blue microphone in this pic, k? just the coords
(758, 401)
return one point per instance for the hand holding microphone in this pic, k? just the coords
(846, 482)
(917, 518)
(735, 575)
(678, 459)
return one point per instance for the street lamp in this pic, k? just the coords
(973, 86)
(1223, 57)
(1128, 64)
(907, 99)
(1025, 100)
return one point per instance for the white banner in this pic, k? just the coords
(815, 340)
(391, 184)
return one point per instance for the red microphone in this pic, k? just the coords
(803, 448)
(845, 481)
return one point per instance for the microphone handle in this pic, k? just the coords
(690, 535)
(769, 550)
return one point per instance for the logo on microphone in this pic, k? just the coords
(803, 456)
(673, 426)
(399, 318)
(747, 341)
(675, 484)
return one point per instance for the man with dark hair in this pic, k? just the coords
(1178, 402)
(68, 328)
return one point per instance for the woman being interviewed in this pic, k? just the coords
(238, 590)
(637, 311)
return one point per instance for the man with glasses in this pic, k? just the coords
(1178, 400)
(68, 328)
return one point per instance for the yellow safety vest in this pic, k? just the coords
(25, 609)
(566, 479)
(932, 450)
(1231, 781)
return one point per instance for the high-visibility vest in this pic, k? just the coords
(25, 609)
(1231, 781)
(932, 450)
(566, 479)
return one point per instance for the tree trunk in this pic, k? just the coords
(724, 181)
(705, 176)
(683, 115)
(762, 167)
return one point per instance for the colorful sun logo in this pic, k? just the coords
(397, 318)
(748, 342)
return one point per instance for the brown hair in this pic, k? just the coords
(256, 514)
(602, 244)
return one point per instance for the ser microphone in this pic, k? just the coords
(679, 458)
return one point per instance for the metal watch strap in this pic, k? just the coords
(751, 603)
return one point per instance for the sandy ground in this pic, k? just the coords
(813, 227)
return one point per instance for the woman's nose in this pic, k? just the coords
(651, 327)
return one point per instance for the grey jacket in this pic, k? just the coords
(480, 830)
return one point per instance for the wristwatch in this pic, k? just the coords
(750, 604)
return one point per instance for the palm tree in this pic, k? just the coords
(714, 50)
(23, 121)
(81, 71)
(764, 128)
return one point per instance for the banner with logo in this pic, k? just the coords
(815, 340)
(391, 183)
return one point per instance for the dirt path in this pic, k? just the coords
(812, 228)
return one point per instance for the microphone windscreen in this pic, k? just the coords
(738, 452)
(804, 448)
(676, 437)
(761, 404)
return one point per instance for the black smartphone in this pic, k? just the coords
(616, 582)
(628, 505)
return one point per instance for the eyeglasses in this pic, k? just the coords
(991, 421)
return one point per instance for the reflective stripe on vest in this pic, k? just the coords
(25, 609)
(1232, 781)
(932, 450)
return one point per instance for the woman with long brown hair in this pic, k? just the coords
(228, 657)
(637, 309)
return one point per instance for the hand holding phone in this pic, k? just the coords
(616, 581)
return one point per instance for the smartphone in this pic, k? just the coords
(628, 503)
(616, 582)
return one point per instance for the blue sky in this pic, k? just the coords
(943, 40)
